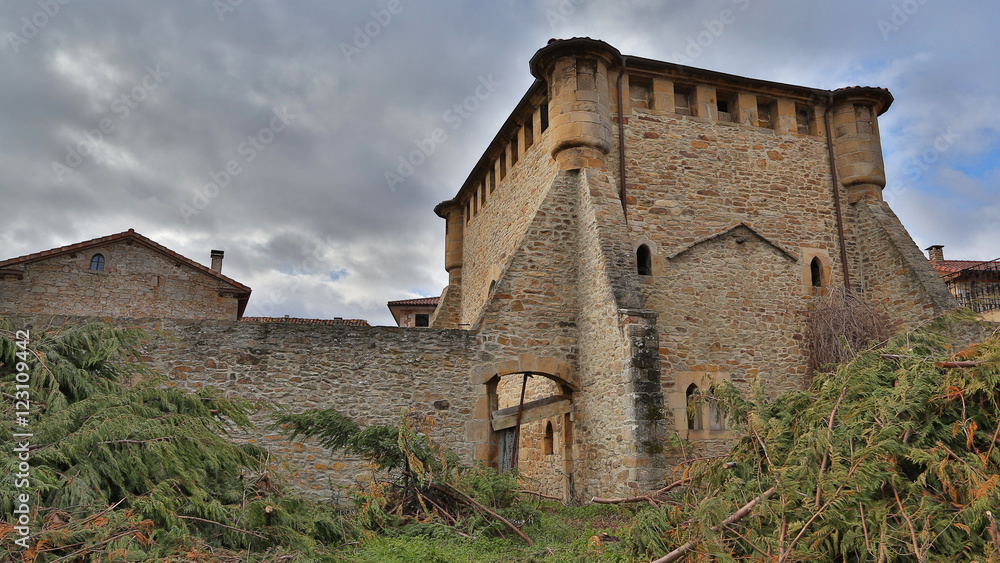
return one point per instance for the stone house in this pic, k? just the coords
(121, 275)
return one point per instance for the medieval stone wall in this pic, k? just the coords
(136, 282)
(891, 270)
(730, 213)
(367, 373)
(497, 224)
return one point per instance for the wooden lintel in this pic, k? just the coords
(529, 405)
(533, 413)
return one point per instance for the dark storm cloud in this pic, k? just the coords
(306, 215)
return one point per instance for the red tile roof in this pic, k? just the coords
(242, 291)
(296, 321)
(951, 266)
(430, 301)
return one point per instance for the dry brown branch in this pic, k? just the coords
(958, 364)
(474, 504)
(650, 497)
(248, 532)
(841, 324)
(735, 517)
(994, 533)
(826, 454)
(909, 523)
(537, 494)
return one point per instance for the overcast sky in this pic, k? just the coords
(119, 114)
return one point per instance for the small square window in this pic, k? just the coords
(422, 319)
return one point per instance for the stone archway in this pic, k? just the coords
(549, 406)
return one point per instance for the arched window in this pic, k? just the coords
(816, 272)
(644, 261)
(97, 263)
(548, 439)
(693, 407)
(715, 419)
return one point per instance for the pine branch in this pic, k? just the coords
(735, 517)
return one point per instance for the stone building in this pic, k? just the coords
(413, 312)
(653, 229)
(121, 275)
(636, 232)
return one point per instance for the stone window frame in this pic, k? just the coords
(548, 439)
(105, 257)
(826, 273)
(655, 260)
(678, 403)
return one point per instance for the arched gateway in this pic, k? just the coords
(529, 417)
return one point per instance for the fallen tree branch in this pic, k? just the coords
(248, 532)
(642, 498)
(472, 501)
(958, 364)
(735, 517)
(537, 494)
(994, 533)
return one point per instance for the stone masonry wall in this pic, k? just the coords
(891, 269)
(136, 281)
(620, 415)
(367, 373)
(730, 212)
(533, 311)
(496, 231)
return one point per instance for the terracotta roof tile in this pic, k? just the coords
(297, 321)
(951, 266)
(419, 301)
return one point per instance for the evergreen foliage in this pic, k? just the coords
(121, 468)
(422, 482)
(891, 457)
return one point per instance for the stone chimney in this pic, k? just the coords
(217, 260)
(935, 253)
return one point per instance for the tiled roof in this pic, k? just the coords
(296, 321)
(242, 290)
(951, 266)
(846, 88)
(431, 301)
